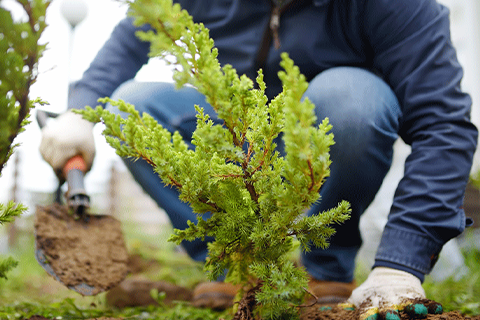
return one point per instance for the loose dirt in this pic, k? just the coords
(88, 250)
(337, 313)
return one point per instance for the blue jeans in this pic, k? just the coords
(364, 113)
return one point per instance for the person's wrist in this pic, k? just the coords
(397, 266)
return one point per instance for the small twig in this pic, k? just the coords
(236, 142)
(251, 191)
(205, 201)
(162, 25)
(312, 177)
(308, 305)
(226, 176)
(246, 175)
(247, 158)
(261, 162)
(224, 251)
(150, 162)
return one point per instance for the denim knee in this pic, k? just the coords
(135, 93)
(365, 116)
(358, 104)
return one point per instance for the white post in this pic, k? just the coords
(74, 11)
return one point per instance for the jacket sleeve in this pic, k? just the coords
(119, 60)
(411, 46)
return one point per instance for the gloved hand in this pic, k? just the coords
(386, 292)
(69, 135)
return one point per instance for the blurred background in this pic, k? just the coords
(72, 46)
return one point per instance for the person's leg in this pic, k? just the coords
(365, 115)
(174, 110)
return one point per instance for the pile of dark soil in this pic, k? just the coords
(80, 251)
(337, 313)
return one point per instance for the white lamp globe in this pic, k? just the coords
(74, 11)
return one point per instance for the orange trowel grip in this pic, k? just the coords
(74, 172)
(75, 162)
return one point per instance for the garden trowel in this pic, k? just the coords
(86, 252)
(77, 198)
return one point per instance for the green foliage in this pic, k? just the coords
(68, 309)
(7, 265)
(460, 294)
(256, 198)
(7, 214)
(19, 54)
(475, 179)
(9, 211)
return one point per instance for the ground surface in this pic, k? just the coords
(167, 264)
(336, 313)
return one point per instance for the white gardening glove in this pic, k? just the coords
(386, 292)
(67, 136)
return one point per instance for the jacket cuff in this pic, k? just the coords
(407, 251)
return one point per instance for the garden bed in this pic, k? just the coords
(30, 292)
(332, 313)
(337, 313)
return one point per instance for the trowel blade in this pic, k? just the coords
(88, 256)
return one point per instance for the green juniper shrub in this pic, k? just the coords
(256, 197)
(19, 55)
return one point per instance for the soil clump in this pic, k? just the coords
(81, 251)
(335, 312)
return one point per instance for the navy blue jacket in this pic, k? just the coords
(406, 42)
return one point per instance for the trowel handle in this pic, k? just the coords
(74, 172)
(75, 163)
